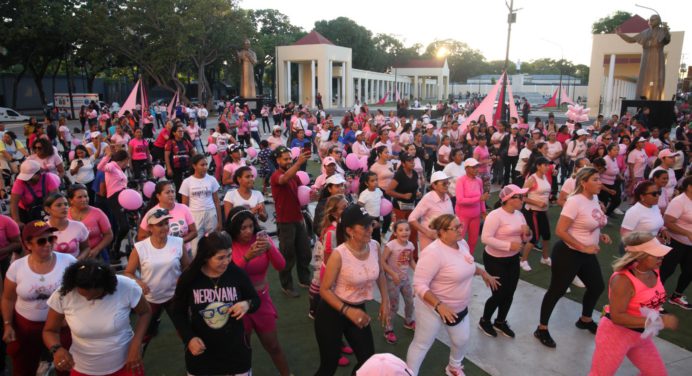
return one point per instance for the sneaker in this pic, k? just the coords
(343, 361)
(547, 261)
(618, 211)
(544, 336)
(525, 266)
(410, 325)
(454, 371)
(591, 326)
(487, 328)
(680, 301)
(291, 293)
(577, 282)
(346, 350)
(390, 337)
(504, 328)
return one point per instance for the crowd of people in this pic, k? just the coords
(402, 204)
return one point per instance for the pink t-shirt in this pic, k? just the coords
(138, 149)
(483, 155)
(355, 281)
(8, 229)
(116, 180)
(384, 172)
(25, 197)
(446, 272)
(638, 158)
(96, 223)
(400, 258)
(430, 207)
(500, 229)
(569, 186)
(69, 238)
(587, 216)
(257, 268)
(611, 171)
(513, 149)
(179, 225)
(48, 164)
(680, 208)
(469, 192)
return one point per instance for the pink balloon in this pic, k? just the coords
(71, 154)
(148, 189)
(355, 184)
(254, 171)
(159, 171)
(364, 163)
(303, 195)
(295, 152)
(352, 162)
(251, 152)
(213, 149)
(304, 177)
(130, 199)
(385, 207)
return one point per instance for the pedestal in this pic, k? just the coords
(662, 113)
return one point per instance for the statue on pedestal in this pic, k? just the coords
(652, 69)
(248, 59)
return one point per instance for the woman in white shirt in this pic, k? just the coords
(275, 139)
(611, 178)
(96, 304)
(244, 195)
(82, 169)
(359, 147)
(72, 237)
(644, 215)
(536, 209)
(636, 164)
(200, 193)
(29, 282)
(159, 261)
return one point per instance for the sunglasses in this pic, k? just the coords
(43, 241)
(654, 193)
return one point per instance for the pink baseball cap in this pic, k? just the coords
(384, 365)
(666, 153)
(510, 190)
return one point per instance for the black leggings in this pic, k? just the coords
(507, 268)
(611, 202)
(330, 327)
(510, 165)
(681, 254)
(120, 222)
(568, 263)
(265, 124)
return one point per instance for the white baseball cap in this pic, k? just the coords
(437, 176)
(582, 132)
(28, 169)
(335, 179)
(471, 162)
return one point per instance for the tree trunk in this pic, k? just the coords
(55, 73)
(15, 86)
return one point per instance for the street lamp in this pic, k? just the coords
(511, 18)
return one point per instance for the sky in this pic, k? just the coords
(544, 28)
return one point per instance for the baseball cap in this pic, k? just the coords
(653, 247)
(335, 179)
(666, 153)
(429, 126)
(437, 176)
(510, 190)
(641, 139)
(384, 365)
(582, 132)
(158, 215)
(328, 160)
(358, 133)
(276, 128)
(355, 214)
(28, 169)
(471, 162)
(95, 134)
(36, 228)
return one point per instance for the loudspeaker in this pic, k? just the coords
(662, 113)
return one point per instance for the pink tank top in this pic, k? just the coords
(644, 296)
(354, 284)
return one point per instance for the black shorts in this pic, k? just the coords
(538, 222)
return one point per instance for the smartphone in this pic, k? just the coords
(262, 234)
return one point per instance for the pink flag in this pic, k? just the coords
(172, 106)
(383, 99)
(485, 107)
(131, 101)
(512, 107)
(565, 98)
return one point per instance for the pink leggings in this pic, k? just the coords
(471, 226)
(218, 161)
(614, 342)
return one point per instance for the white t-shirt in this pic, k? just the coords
(539, 192)
(587, 216)
(569, 186)
(371, 200)
(85, 174)
(641, 218)
(221, 140)
(553, 149)
(65, 133)
(69, 238)
(236, 199)
(524, 154)
(672, 181)
(638, 158)
(200, 192)
(33, 290)
(454, 171)
(160, 267)
(680, 208)
(679, 160)
(101, 331)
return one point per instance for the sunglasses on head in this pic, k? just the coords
(43, 241)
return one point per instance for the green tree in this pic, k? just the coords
(345, 32)
(463, 61)
(608, 24)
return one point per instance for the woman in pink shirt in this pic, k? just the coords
(253, 251)
(505, 235)
(96, 222)
(442, 284)
(116, 181)
(610, 177)
(139, 147)
(636, 164)
(379, 164)
(432, 205)
(470, 202)
(482, 155)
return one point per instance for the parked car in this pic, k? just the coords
(9, 115)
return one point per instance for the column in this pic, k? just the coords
(415, 87)
(312, 83)
(608, 103)
(338, 90)
(344, 81)
(440, 87)
(358, 92)
(288, 81)
(329, 84)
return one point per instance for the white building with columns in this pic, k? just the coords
(324, 68)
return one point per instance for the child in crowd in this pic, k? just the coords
(370, 197)
(397, 259)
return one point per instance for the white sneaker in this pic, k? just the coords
(525, 266)
(577, 282)
(618, 211)
(547, 261)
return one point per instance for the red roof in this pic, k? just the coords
(634, 25)
(422, 63)
(313, 38)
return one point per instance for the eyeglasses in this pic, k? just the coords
(220, 310)
(43, 241)
(654, 193)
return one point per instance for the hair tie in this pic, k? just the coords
(240, 212)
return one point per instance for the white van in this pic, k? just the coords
(8, 115)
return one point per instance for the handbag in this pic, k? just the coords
(460, 317)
